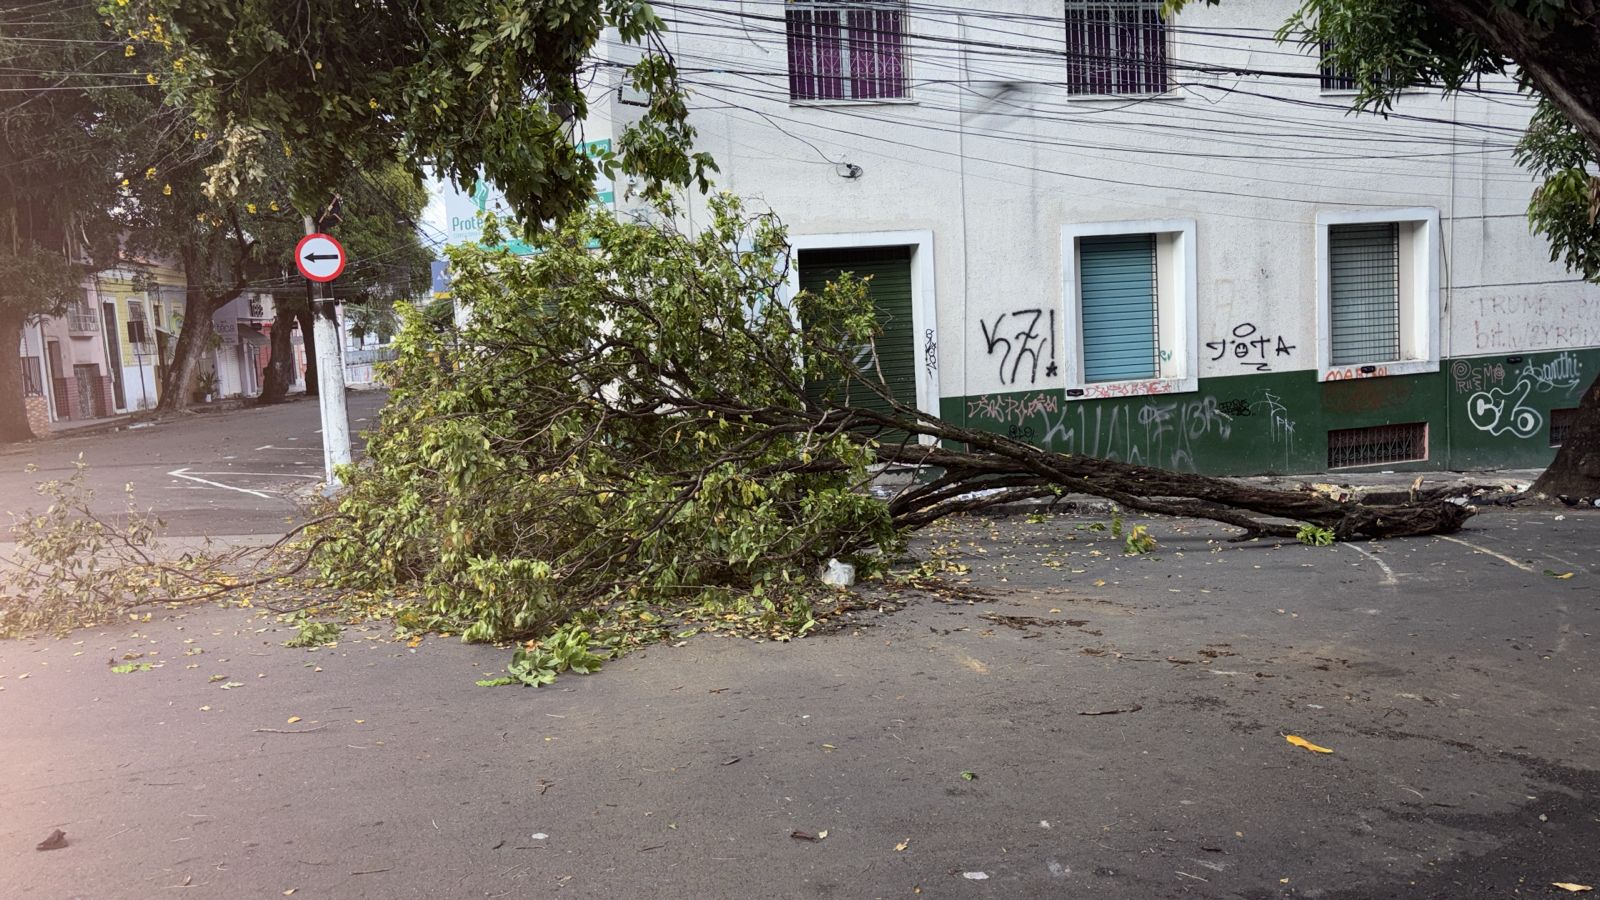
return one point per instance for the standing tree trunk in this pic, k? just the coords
(308, 332)
(1575, 472)
(178, 390)
(280, 365)
(13, 408)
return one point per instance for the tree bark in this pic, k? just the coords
(308, 336)
(178, 391)
(1575, 472)
(13, 408)
(280, 364)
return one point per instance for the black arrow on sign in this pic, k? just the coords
(314, 257)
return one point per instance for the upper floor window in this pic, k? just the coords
(1116, 47)
(1333, 77)
(846, 49)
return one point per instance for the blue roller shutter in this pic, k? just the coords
(1117, 291)
(1364, 292)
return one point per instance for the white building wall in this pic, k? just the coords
(993, 158)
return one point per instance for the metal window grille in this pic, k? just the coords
(1377, 444)
(1334, 78)
(1116, 47)
(846, 50)
(1561, 422)
(32, 376)
(81, 317)
(1364, 278)
(1120, 307)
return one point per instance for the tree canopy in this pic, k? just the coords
(471, 88)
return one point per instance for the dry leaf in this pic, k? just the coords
(1302, 742)
(821, 835)
(414, 642)
(55, 841)
(293, 719)
(902, 845)
(1574, 888)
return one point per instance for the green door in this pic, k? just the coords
(890, 292)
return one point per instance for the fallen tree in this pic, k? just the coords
(642, 423)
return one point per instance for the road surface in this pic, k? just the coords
(206, 475)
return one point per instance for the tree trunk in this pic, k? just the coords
(308, 333)
(178, 391)
(1575, 472)
(280, 364)
(13, 408)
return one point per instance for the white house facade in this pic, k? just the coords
(1161, 241)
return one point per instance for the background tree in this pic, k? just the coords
(239, 237)
(472, 88)
(1552, 48)
(68, 110)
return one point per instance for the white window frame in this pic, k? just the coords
(1177, 273)
(1420, 263)
(924, 303)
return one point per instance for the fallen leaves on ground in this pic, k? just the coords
(1299, 741)
(1565, 886)
(902, 845)
(55, 841)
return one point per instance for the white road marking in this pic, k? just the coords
(182, 473)
(256, 474)
(1500, 556)
(288, 449)
(1388, 573)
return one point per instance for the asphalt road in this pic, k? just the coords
(207, 475)
(1125, 734)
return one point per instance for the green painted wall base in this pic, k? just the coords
(1481, 412)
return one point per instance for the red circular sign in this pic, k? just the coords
(319, 257)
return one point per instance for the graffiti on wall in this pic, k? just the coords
(1520, 322)
(1021, 345)
(1501, 411)
(1156, 432)
(1563, 373)
(1351, 374)
(1498, 404)
(1470, 375)
(1251, 348)
(930, 352)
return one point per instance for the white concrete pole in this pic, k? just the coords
(330, 380)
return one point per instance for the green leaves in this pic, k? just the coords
(568, 649)
(570, 453)
(1314, 536)
(470, 88)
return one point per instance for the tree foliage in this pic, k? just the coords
(473, 88)
(570, 448)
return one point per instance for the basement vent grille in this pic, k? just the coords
(1377, 444)
(1560, 424)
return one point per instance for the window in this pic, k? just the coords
(32, 376)
(846, 50)
(81, 317)
(1116, 47)
(1364, 281)
(1377, 445)
(1377, 293)
(1129, 321)
(1334, 78)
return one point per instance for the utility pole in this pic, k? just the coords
(330, 364)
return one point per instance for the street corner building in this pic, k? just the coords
(1162, 240)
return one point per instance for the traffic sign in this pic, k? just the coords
(319, 257)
